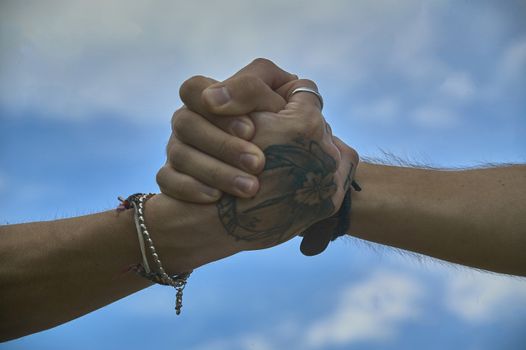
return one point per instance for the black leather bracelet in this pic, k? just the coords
(317, 237)
(344, 214)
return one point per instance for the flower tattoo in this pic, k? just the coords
(297, 185)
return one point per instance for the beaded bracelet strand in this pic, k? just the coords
(136, 202)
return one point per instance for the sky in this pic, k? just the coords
(87, 89)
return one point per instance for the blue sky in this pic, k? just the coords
(438, 82)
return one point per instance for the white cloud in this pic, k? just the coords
(78, 59)
(413, 53)
(255, 342)
(508, 73)
(75, 59)
(383, 111)
(513, 64)
(478, 297)
(371, 310)
(244, 342)
(375, 309)
(458, 85)
(433, 117)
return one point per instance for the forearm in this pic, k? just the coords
(471, 217)
(52, 272)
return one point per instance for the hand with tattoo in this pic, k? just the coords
(293, 172)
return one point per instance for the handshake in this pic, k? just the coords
(251, 163)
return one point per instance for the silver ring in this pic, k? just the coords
(306, 89)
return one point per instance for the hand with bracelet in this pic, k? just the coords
(211, 149)
(474, 217)
(52, 272)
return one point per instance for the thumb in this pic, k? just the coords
(250, 89)
(241, 95)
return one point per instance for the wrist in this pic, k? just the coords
(186, 235)
(377, 207)
(398, 205)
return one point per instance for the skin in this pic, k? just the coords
(52, 272)
(471, 217)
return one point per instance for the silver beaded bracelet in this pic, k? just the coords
(137, 201)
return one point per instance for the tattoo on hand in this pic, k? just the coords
(297, 185)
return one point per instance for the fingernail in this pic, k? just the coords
(249, 161)
(244, 184)
(210, 192)
(241, 129)
(216, 96)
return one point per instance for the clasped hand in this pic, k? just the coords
(263, 162)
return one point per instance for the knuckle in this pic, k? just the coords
(170, 144)
(170, 188)
(181, 122)
(189, 84)
(176, 115)
(193, 80)
(160, 177)
(177, 158)
(263, 62)
(176, 121)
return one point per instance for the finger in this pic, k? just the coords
(190, 93)
(183, 187)
(211, 171)
(266, 70)
(242, 95)
(194, 130)
(300, 97)
(250, 89)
